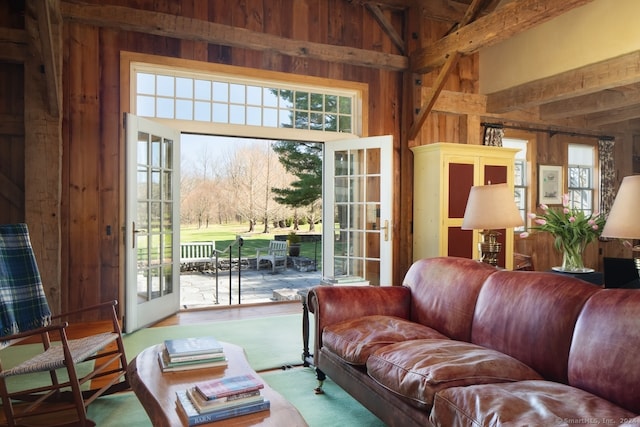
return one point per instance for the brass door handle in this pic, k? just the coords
(386, 230)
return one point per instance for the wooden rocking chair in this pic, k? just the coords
(24, 313)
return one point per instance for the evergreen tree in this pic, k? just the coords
(304, 161)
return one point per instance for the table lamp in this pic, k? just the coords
(622, 222)
(491, 207)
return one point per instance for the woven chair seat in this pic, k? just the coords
(53, 358)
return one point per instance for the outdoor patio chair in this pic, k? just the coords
(76, 371)
(276, 254)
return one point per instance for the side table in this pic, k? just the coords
(595, 277)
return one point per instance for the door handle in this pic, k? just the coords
(386, 230)
(134, 231)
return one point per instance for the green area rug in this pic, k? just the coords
(271, 344)
(333, 408)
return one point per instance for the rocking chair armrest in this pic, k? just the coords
(113, 303)
(33, 332)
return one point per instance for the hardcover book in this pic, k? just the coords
(192, 346)
(227, 386)
(165, 366)
(193, 358)
(205, 406)
(192, 417)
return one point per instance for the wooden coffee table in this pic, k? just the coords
(157, 391)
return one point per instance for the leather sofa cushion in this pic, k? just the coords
(604, 351)
(354, 340)
(525, 403)
(418, 369)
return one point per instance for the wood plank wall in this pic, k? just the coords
(92, 182)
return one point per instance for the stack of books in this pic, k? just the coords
(180, 354)
(222, 398)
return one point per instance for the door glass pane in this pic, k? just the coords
(168, 280)
(372, 272)
(373, 216)
(341, 163)
(373, 189)
(373, 161)
(143, 146)
(156, 143)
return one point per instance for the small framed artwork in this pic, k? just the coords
(550, 185)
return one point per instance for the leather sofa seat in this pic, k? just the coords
(355, 339)
(419, 369)
(525, 403)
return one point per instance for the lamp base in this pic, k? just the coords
(489, 247)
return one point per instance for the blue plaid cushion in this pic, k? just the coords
(23, 304)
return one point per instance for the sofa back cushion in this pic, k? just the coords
(605, 349)
(530, 316)
(444, 292)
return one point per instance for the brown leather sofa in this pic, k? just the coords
(461, 343)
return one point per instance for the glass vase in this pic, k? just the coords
(572, 256)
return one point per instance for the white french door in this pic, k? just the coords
(357, 202)
(152, 282)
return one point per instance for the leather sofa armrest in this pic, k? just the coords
(333, 304)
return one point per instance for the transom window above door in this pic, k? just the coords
(230, 100)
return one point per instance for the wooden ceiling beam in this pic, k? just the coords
(618, 71)
(459, 103)
(432, 97)
(162, 24)
(615, 115)
(379, 15)
(442, 10)
(608, 99)
(471, 12)
(505, 22)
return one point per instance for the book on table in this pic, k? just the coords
(194, 346)
(205, 406)
(167, 366)
(192, 417)
(227, 386)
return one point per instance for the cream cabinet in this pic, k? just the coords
(443, 176)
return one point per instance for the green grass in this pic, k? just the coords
(226, 234)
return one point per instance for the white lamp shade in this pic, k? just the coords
(491, 207)
(623, 222)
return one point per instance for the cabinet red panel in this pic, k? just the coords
(460, 183)
(495, 174)
(461, 243)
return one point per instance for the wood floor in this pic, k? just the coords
(236, 312)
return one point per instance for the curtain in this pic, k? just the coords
(493, 136)
(607, 174)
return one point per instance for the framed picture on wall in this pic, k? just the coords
(550, 185)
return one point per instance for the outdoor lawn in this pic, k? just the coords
(225, 235)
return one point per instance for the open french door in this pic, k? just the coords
(357, 208)
(152, 283)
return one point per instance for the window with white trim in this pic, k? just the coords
(520, 185)
(580, 183)
(225, 99)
